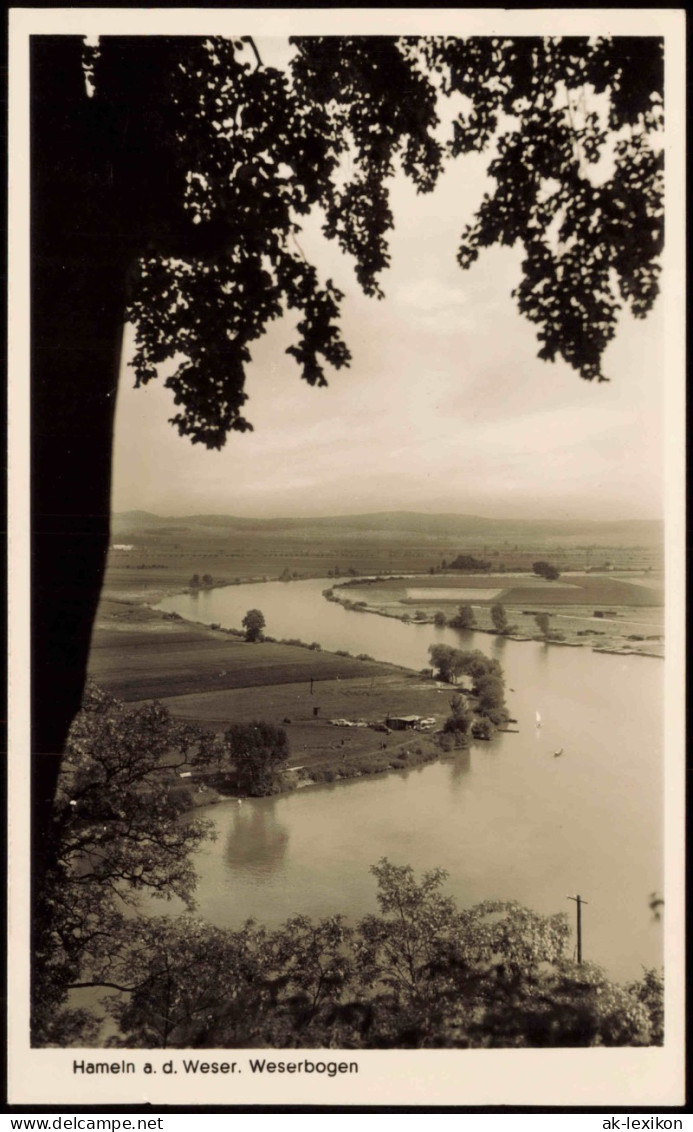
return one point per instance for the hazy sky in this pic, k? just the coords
(445, 407)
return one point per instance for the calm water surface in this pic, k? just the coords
(505, 819)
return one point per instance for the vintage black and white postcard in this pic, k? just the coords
(346, 455)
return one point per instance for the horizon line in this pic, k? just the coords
(380, 513)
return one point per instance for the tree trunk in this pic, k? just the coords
(106, 186)
(78, 278)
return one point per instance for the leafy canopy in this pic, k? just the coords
(118, 838)
(543, 621)
(499, 618)
(571, 126)
(249, 756)
(253, 623)
(464, 618)
(451, 663)
(546, 570)
(418, 973)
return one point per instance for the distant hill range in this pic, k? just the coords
(399, 524)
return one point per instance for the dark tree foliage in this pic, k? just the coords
(174, 194)
(255, 156)
(543, 621)
(482, 729)
(446, 661)
(116, 835)
(546, 570)
(553, 107)
(252, 987)
(469, 564)
(464, 618)
(249, 758)
(253, 623)
(490, 692)
(460, 719)
(451, 663)
(499, 618)
(419, 973)
(260, 753)
(488, 688)
(591, 243)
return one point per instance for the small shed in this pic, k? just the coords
(402, 722)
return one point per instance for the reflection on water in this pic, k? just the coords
(459, 769)
(256, 841)
(506, 819)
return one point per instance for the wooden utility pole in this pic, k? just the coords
(579, 901)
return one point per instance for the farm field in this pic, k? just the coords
(140, 654)
(569, 589)
(210, 678)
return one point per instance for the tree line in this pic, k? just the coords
(465, 619)
(419, 973)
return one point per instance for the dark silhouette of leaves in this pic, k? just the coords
(257, 149)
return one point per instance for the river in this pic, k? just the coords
(506, 819)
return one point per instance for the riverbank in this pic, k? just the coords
(615, 615)
(329, 703)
